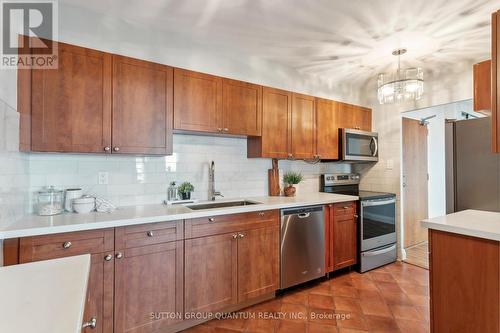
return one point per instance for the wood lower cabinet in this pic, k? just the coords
(149, 287)
(327, 129)
(302, 127)
(276, 117)
(241, 108)
(464, 283)
(211, 273)
(342, 232)
(258, 262)
(67, 109)
(495, 76)
(197, 101)
(142, 107)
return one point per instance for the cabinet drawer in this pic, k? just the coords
(214, 225)
(344, 210)
(65, 244)
(148, 234)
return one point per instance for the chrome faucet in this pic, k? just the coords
(211, 175)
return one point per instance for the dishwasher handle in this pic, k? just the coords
(303, 215)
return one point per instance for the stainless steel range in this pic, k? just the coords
(377, 231)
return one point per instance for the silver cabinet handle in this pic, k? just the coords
(356, 215)
(67, 245)
(92, 323)
(107, 148)
(226, 129)
(241, 235)
(235, 236)
(150, 234)
(219, 129)
(116, 149)
(119, 255)
(108, 257)
(346, 207)
(262, 214)
(290, 155)
(211, 219)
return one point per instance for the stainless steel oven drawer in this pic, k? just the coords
(377, 257)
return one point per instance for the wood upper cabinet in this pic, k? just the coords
(355, 117)
(241, 108)
(70, 108)
(327, 129)
(149, 287)
(197, 101)
(302, 127)
(142, 107)
(258, 262)
(495, 76)
(342, 234)
(482, 86)
(276, 117)
(211, 270)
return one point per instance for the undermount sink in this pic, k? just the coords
(222, 204)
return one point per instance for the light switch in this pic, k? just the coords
(389, 164)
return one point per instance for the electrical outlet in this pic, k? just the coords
(103, 178)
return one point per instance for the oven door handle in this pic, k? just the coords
(378, 252)
(377, 202)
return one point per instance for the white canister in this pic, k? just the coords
(84, 204)
(71, 194)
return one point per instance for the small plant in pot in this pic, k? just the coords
(185, 190)
(291, 178)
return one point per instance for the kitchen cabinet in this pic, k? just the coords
(327, 129)
(241, 108)
(341, 235)
(495, 75)
(482, 86)
(197, 101)
(149, 287)
(67, 109)
(258, 262)
(276, 117)
(355, 117)
(464, 283)
(302, 127)
(142, 107)
(99, 243)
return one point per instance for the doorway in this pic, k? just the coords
(415, 190)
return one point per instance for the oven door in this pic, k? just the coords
(359, 145)
(378, 223)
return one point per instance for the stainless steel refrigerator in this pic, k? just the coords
(472, 170)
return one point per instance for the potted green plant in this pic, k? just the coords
(185, 190)
(291, 178)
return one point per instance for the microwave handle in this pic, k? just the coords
(375, 143)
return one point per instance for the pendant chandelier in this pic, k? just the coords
(404, 85)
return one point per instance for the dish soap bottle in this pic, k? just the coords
(172, 192)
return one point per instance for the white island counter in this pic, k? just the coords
(44, 296)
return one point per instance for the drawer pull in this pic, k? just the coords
(108, 257)
(235, 236)
(211, 219)
(67, 245)
(346, 207)
(150, 234)
(356, 215)
(92, 323)
(119, 255)
(262, 214)
(241, 235)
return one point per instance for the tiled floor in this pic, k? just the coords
(418, 254)
(393, 298)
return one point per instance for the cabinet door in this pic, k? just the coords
(197, 101)
(355, 117)
(327, 129)
(142, 107)
(495, 75)
(344, 238)
(258, 262)
(303, 127)
(276, 112)
(241, 108)
(482, 86)
(71, 105)
(99, 304)
(149, 288)
(210, 273)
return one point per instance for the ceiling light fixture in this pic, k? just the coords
(401, 86)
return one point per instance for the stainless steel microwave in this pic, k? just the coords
(359, 146)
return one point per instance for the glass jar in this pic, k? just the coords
(50, 201)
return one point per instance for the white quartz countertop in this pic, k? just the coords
(474, 223)
(32, 225)
(44, 296)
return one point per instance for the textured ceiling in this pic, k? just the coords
(346, 40)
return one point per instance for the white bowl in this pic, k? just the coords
(84, 205)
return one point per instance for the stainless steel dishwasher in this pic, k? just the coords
(302, 245)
